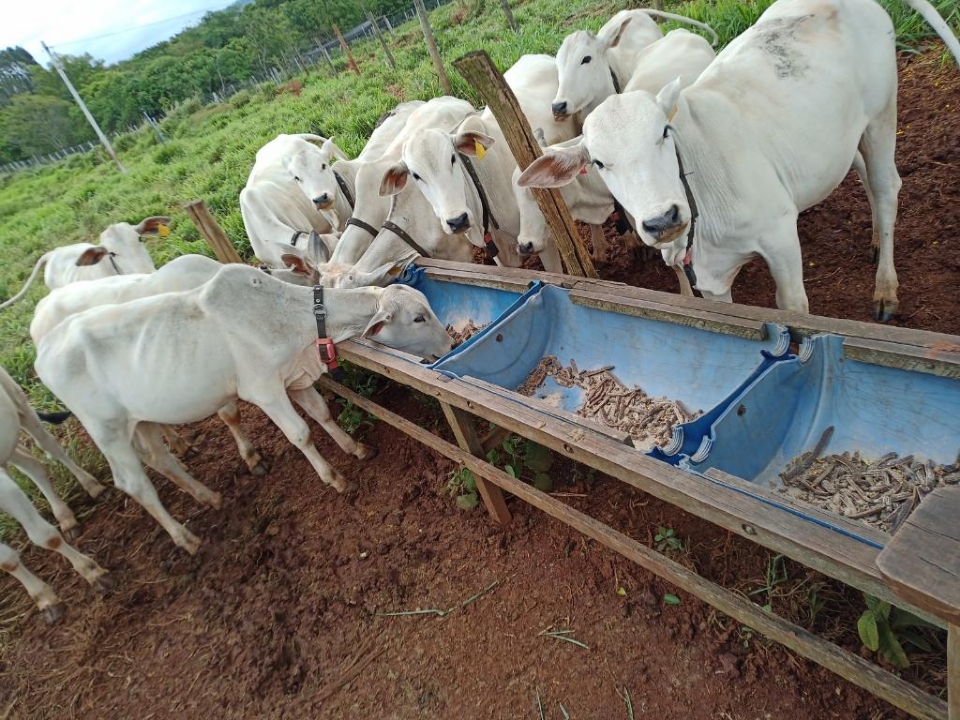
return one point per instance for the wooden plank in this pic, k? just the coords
(845, 559)
(914, 358)
(383, 43)
(346, 49)
(922, 561)
(953, 672)
(847, 665)
(463, 429)
(212, 232)
(478, 70)
(432, 46)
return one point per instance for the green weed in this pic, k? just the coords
(885, 629)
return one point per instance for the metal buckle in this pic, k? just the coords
(319, 310)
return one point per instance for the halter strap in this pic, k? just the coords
(111, 256)
(692, 203)
(296, 236)
(325, 347)
(405, 236)
(362, 225)
(616, 81)
(343, 187)
(488, 244)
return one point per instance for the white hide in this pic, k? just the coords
(276, 213)
(120, 252)
(769, 129)
(179, 357)
(443, 113)
(678, 54)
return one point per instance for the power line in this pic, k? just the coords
(140, 27)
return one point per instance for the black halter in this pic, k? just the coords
(343, 188)
(688, 266)
(362, 225)
(116, 268)
(488, 244)
(296, 236)
(325, 347)
(405, 236)
(616, 82)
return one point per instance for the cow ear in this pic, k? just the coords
(383, 317)
(612, 42)
(91, 256)
(667, 98)
(472, 143)
(394, 179)
(312, 138)
(331, 149)
(299, 265)
(555, 168)
(152, 225)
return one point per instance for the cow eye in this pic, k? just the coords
(419, 318)
(453, 159)
(297, 178)
(599, 164)
(323, 166)
(416, 177)
(666, 131)
(586, 60)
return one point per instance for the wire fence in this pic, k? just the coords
(326, 50)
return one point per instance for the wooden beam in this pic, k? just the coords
(432, 47)
(478, 70)
(212, 232)
(953, 671)
(849, 666)
(346, 49)
(383, 43)
(463, 429)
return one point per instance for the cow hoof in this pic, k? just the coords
(95, 490)
(349, 487)
(366, 452)
(72, 533)
(53, 613)
(885, 310)
(215, 500)
(261, 468)
(189, 542)
(104, 584)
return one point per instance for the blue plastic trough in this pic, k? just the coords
(873, 409)
(701, 369)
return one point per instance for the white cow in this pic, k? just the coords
(370, 209)
(592, 66)
(179, 357)
(330, 186)
(16, 415)
(276, 213)
(769, 129)
(121, 251)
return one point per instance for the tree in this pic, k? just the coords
(39, 124)
(15, 64)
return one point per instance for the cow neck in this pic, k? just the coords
(344, 188)
(347, 312)
(615, 79)
(388, 245)
(489, 246)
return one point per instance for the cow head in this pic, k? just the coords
(639, 167)
(125, 242)
(430, 159)
(584, 71)
(405, 321)
(310, 163)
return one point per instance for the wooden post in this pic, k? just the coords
(461, 423)
(212, 232)
(432, 46)
(326, 56)
(478, 70)
(386, 21)
(346, 49)
(505, 4)
(383, 43)
(953, 671)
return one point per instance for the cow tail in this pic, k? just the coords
(33, 276)
(687, 21)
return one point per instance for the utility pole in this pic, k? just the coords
(76, 96)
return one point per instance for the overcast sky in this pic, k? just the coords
(110, 30)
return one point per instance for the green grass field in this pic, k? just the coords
(210, 149)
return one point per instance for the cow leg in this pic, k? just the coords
(175, 440)
(685, 289)
(43, 595)
(550, 258)
(877, 147)
(156, 455)
(230, 414)
(786, 265)
(601, 248)
(281, 411)
(861, 169)
(48, 443)
(34, 469)
(43, 534)
(312, 401)
(129, 476)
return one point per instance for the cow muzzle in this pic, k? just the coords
(526, 249)
(324, 201)
(664, 228)
(459, 224)
(560, 112)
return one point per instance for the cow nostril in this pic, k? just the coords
(559, 107)
(651, 227)
(526, 248)
(321, 199)
(458, 222)
(673, 216)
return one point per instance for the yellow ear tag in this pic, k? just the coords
(163, 230)
(480, 149)
(394, 271)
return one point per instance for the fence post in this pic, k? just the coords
(383, 43)
(212, 232)
(432, 46)
(478, 69)
(346, 49)
(505, 4)
(386, 21)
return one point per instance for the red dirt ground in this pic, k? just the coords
(280, 614)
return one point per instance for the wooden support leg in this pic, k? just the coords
(953, 671)
(462, 424)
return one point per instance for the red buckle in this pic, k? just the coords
(327, 352)
(487, 238)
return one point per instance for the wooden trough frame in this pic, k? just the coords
(832, 553)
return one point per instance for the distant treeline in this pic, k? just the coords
(228, 47)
